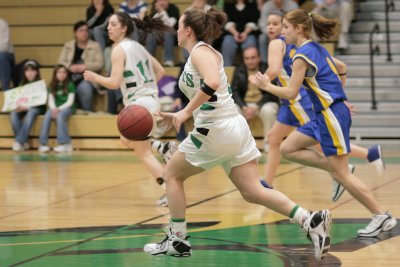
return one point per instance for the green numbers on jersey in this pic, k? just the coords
(188, 79)
(146, 73)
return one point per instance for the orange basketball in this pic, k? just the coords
(135, 122)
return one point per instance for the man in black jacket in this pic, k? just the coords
(253, 101)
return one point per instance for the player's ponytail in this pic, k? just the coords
(151, 24)
(207, 26)
(324, 28)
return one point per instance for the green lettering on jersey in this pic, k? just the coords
(128, 73)
(188, 79)
(229, 89)
(206, 107)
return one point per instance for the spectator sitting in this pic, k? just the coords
(170, 14)
(97, 19)
(202, 4)
(79, 55)
(134, 8)
(253, 101)
(7, 60)
(23, 117)
(61, 106)
(240, 28)
(266, 9)
(341, 9)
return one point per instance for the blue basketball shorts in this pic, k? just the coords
(297, 113)
(331, 128)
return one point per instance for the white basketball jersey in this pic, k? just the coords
(139, 78)
(220, 104)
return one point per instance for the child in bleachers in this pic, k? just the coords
(61, 107)
(23, 117)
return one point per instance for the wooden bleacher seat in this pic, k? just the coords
(92, 131)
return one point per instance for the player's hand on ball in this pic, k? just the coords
(175, 119)
(167, 117)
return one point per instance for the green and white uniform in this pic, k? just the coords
(139, 86)
(221, 136)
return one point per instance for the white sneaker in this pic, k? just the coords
(17, 147)
(162, 201)
(165, 149)
(318, 226)
(375, 157)
(26, 146)
(63, 148)
(338, 189)
(172, 245)
(43, 149)
(380, 223)
(168, 63)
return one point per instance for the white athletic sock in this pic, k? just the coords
(300, 216)
(178, 228)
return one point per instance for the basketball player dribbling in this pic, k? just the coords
(220, 136)
(136, 73)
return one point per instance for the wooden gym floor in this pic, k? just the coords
(97, 209)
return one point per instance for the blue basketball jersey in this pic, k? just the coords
(284, 77)
(322, 79)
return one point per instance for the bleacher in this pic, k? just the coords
(39, 29)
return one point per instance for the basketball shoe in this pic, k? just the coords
(66, 148)
(172, 245)
(317, 226)
(265, 184)
(379, 223)
(338, 189)
(162, 201)
(375, 158)
(165, 149)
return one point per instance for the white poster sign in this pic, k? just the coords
(28, 95)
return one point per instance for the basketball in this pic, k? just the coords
(135, 122)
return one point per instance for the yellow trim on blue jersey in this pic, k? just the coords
(333, 67)
(306, 42)
(282, 80)
(309, 61)
(323, 96)
(335, 131)
(299, 112)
